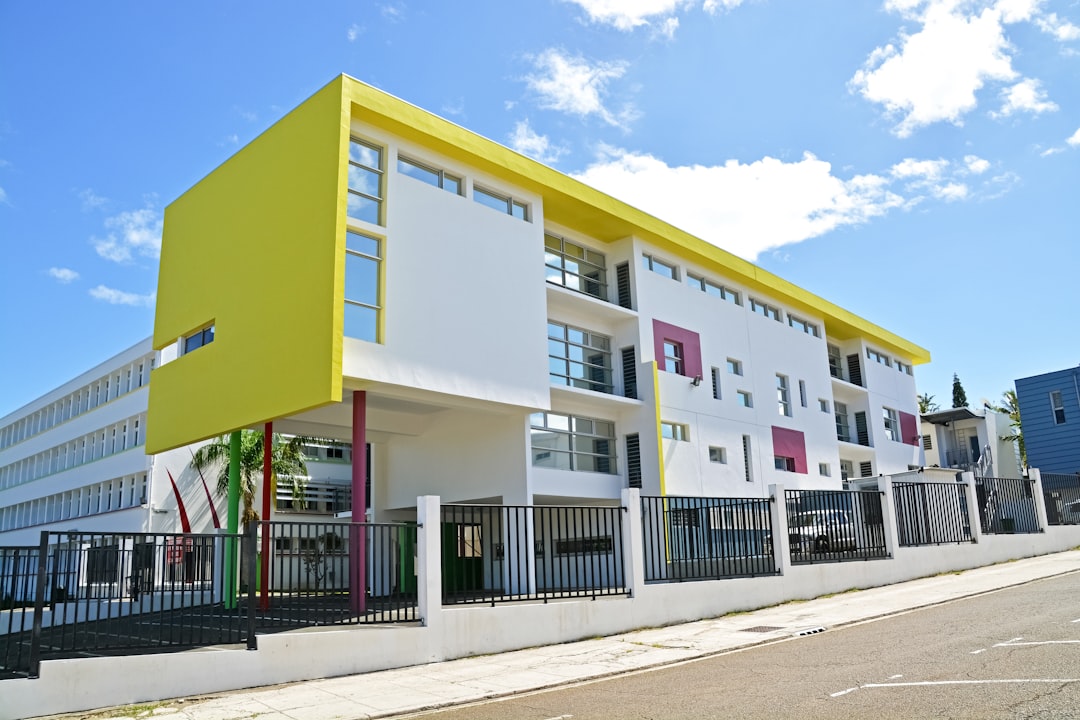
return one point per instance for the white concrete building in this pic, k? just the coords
(970, 440)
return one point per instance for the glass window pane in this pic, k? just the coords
(363, 208)
(361, 322)
(423, 174)
(361, 279)
(362, 244)
(365, 154)
(365, 181)
(451, 183)
(492, 201)
(520, 211)
(558, 422)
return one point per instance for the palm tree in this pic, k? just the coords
(286, 461)
(926, 404)
(1011, 407)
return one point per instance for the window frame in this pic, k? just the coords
(718, 455)
(804, 325)
(676, 359)
(588, 256)
(379, 172)
(735, 367)
(651, 263)
(379, 269)
(766, 310)
(891, 420)
(512, 204)
(1057, 409)
(187, 342)
(572, 452)
(783, 395)
(440, 175)
(714, 289)
(674, 431)
(588, 349)
(745, 398)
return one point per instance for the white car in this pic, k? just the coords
(821, 531)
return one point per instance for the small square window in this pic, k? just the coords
(734, 366)
(674, 431)
(660, 267)
(785, 464)
(745, 399)
(823, 404)
(673, 357)
(718, 455)
(823, 470)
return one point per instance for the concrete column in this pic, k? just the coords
(429, 559)
(968, 479)
(358, 533)
(1040, 500)
(888, 515)
(778, 513)
(633, 547)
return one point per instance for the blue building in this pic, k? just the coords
(1050, 419)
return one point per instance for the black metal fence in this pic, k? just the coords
(1062, 495)
(931, 513)
(695, 538)
(1007, 505)
(18, 580)
(336, 573)
(835, 525)
(503, 553)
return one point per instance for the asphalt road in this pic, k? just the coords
(1014, 653)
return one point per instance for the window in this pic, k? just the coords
(363, 261)
(568, 442)
(843, 429)
(745, 399)
(660, 267)
(734, 366)
(365, 182)
(1058, 406)
(764, 309)
(783, 401)
(430, 175)
(575, 267)
(710, 288)
(674, 431)
(823, 404)
(903, 367)
(847, 470)
(927, 442)
(878, 357)
(198, 338)
(836, 365)
(892, 424)
(718, 455)
(673, 357)
(807, 327)
(579, 358)
(785, 464)
(802, 393)
(716, 383)
(502, 203)
(748, 471)
(824, 470)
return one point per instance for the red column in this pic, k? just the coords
(264, 589)
(358, 533)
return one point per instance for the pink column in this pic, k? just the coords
(358, 533)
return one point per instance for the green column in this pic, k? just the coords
(232, 523)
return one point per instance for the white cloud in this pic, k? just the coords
(714, 6)
(667, 28)
(63, 275)
(1074, 139)
(629, 14)
(752, 208)
(91, 200)
(1025, 96)
(976, 165)
(3, 197)
(746, 209)
(134, 232)
(572, 85)
(1061, 29)
(528, 142)
(394, 13)
(354, 32)
(935, 73)
(119, 297)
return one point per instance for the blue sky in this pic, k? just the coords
(914, 161)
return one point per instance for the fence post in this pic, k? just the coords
(968, 478)
(633, 550)
(888, 515)
(1035, 477)
(39, 606)
(778, 512)
(429, 560)
(250, 542)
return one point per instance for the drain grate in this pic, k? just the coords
(809, 631)
(763, 628)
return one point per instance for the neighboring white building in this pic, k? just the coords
(970, 440)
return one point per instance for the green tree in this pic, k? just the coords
(286, 461)
(959, 397)
(926, 404)
(1011, 406)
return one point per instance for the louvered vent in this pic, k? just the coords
(633, 460)
(629, 372)
(622, 285)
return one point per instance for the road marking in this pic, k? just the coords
(976, 652)
(895, 677)
(1041, 642)
(1076, 620)
(928, 683)
(560, 717)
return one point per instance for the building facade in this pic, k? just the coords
(498, 332)
(1050, 419)
(970, 441)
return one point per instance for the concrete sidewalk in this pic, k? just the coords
(406, 690)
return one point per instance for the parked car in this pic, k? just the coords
(822, 531)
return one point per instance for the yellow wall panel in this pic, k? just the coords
(256, 248)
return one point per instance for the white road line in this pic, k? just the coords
(844, 692)
(1041, 642)
(895, 677)
(560, 717)
(976, 652)
(926, 683)
(1076, 620)
(1009, 641)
